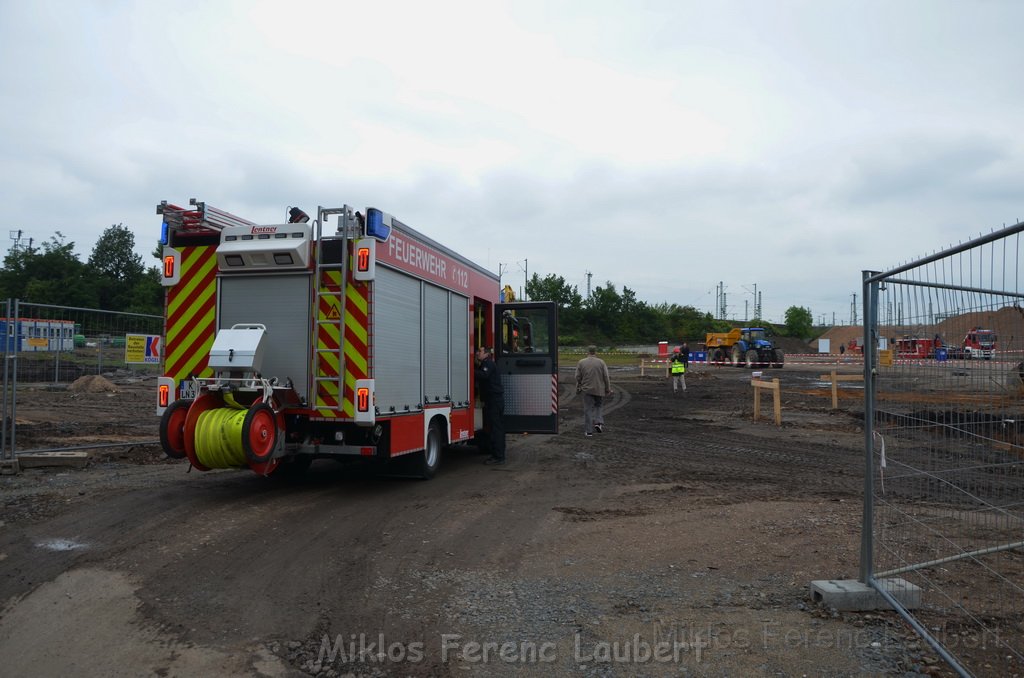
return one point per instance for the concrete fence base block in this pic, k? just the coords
(852, 595)
(40, 459)
(9, 467)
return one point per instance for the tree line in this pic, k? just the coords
(114, 278)
(609, 317)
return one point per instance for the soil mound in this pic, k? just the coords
(1006, 322)
(92, 383)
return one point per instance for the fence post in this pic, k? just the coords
(867, 544)
(3, 406)
(14, 385)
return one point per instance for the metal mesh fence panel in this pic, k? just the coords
(61, 343)
(945, 445)
(50, 350)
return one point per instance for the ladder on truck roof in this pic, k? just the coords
(333, 356)
(198, 217)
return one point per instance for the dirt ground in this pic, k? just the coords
(681, 541)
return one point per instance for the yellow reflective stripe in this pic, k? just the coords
(193, 279)
(354, 360)
(189, 346)
(330, 359)
(348, 408)
(356, 298)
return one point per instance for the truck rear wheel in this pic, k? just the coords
(752, 358)
(292, 467)
(736, 357)
(429, 459)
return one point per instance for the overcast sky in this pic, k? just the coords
(663, 146)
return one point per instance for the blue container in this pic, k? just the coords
(940, 354)
(699, 356)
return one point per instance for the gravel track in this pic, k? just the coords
(684, 522)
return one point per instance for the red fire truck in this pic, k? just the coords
(979, 343)
(910, 348)
(293, 341)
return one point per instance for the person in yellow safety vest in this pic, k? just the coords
(678, 368)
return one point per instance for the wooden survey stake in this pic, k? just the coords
(759, 384)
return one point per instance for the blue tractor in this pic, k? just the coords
(743, 346)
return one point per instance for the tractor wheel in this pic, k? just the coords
(780, 358)
(736, 357)
(752, 358)
(172, 428)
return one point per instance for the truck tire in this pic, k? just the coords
(736, 356)
(427, 460)
(780, 358)
(752, 358)
(292, 467)
(172, 428)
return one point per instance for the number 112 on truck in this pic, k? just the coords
(350, 335)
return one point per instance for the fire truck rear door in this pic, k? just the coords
(526, 353)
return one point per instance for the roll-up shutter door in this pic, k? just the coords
(397, 344)
(460, 351)
(281, 303)
(435, 343)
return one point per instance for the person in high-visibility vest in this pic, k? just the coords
(678, 369)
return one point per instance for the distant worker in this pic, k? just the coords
(678, 364)
(593, 382)
(677, 367)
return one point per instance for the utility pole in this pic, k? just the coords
(589, 276)
(757, 301)
(501, 288)
(853, 310)
(526, 276)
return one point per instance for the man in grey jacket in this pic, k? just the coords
(593, 382)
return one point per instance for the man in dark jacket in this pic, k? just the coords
(492, 393)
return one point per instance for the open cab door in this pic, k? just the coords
(526, 353)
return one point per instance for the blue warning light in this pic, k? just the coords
(378, 224)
